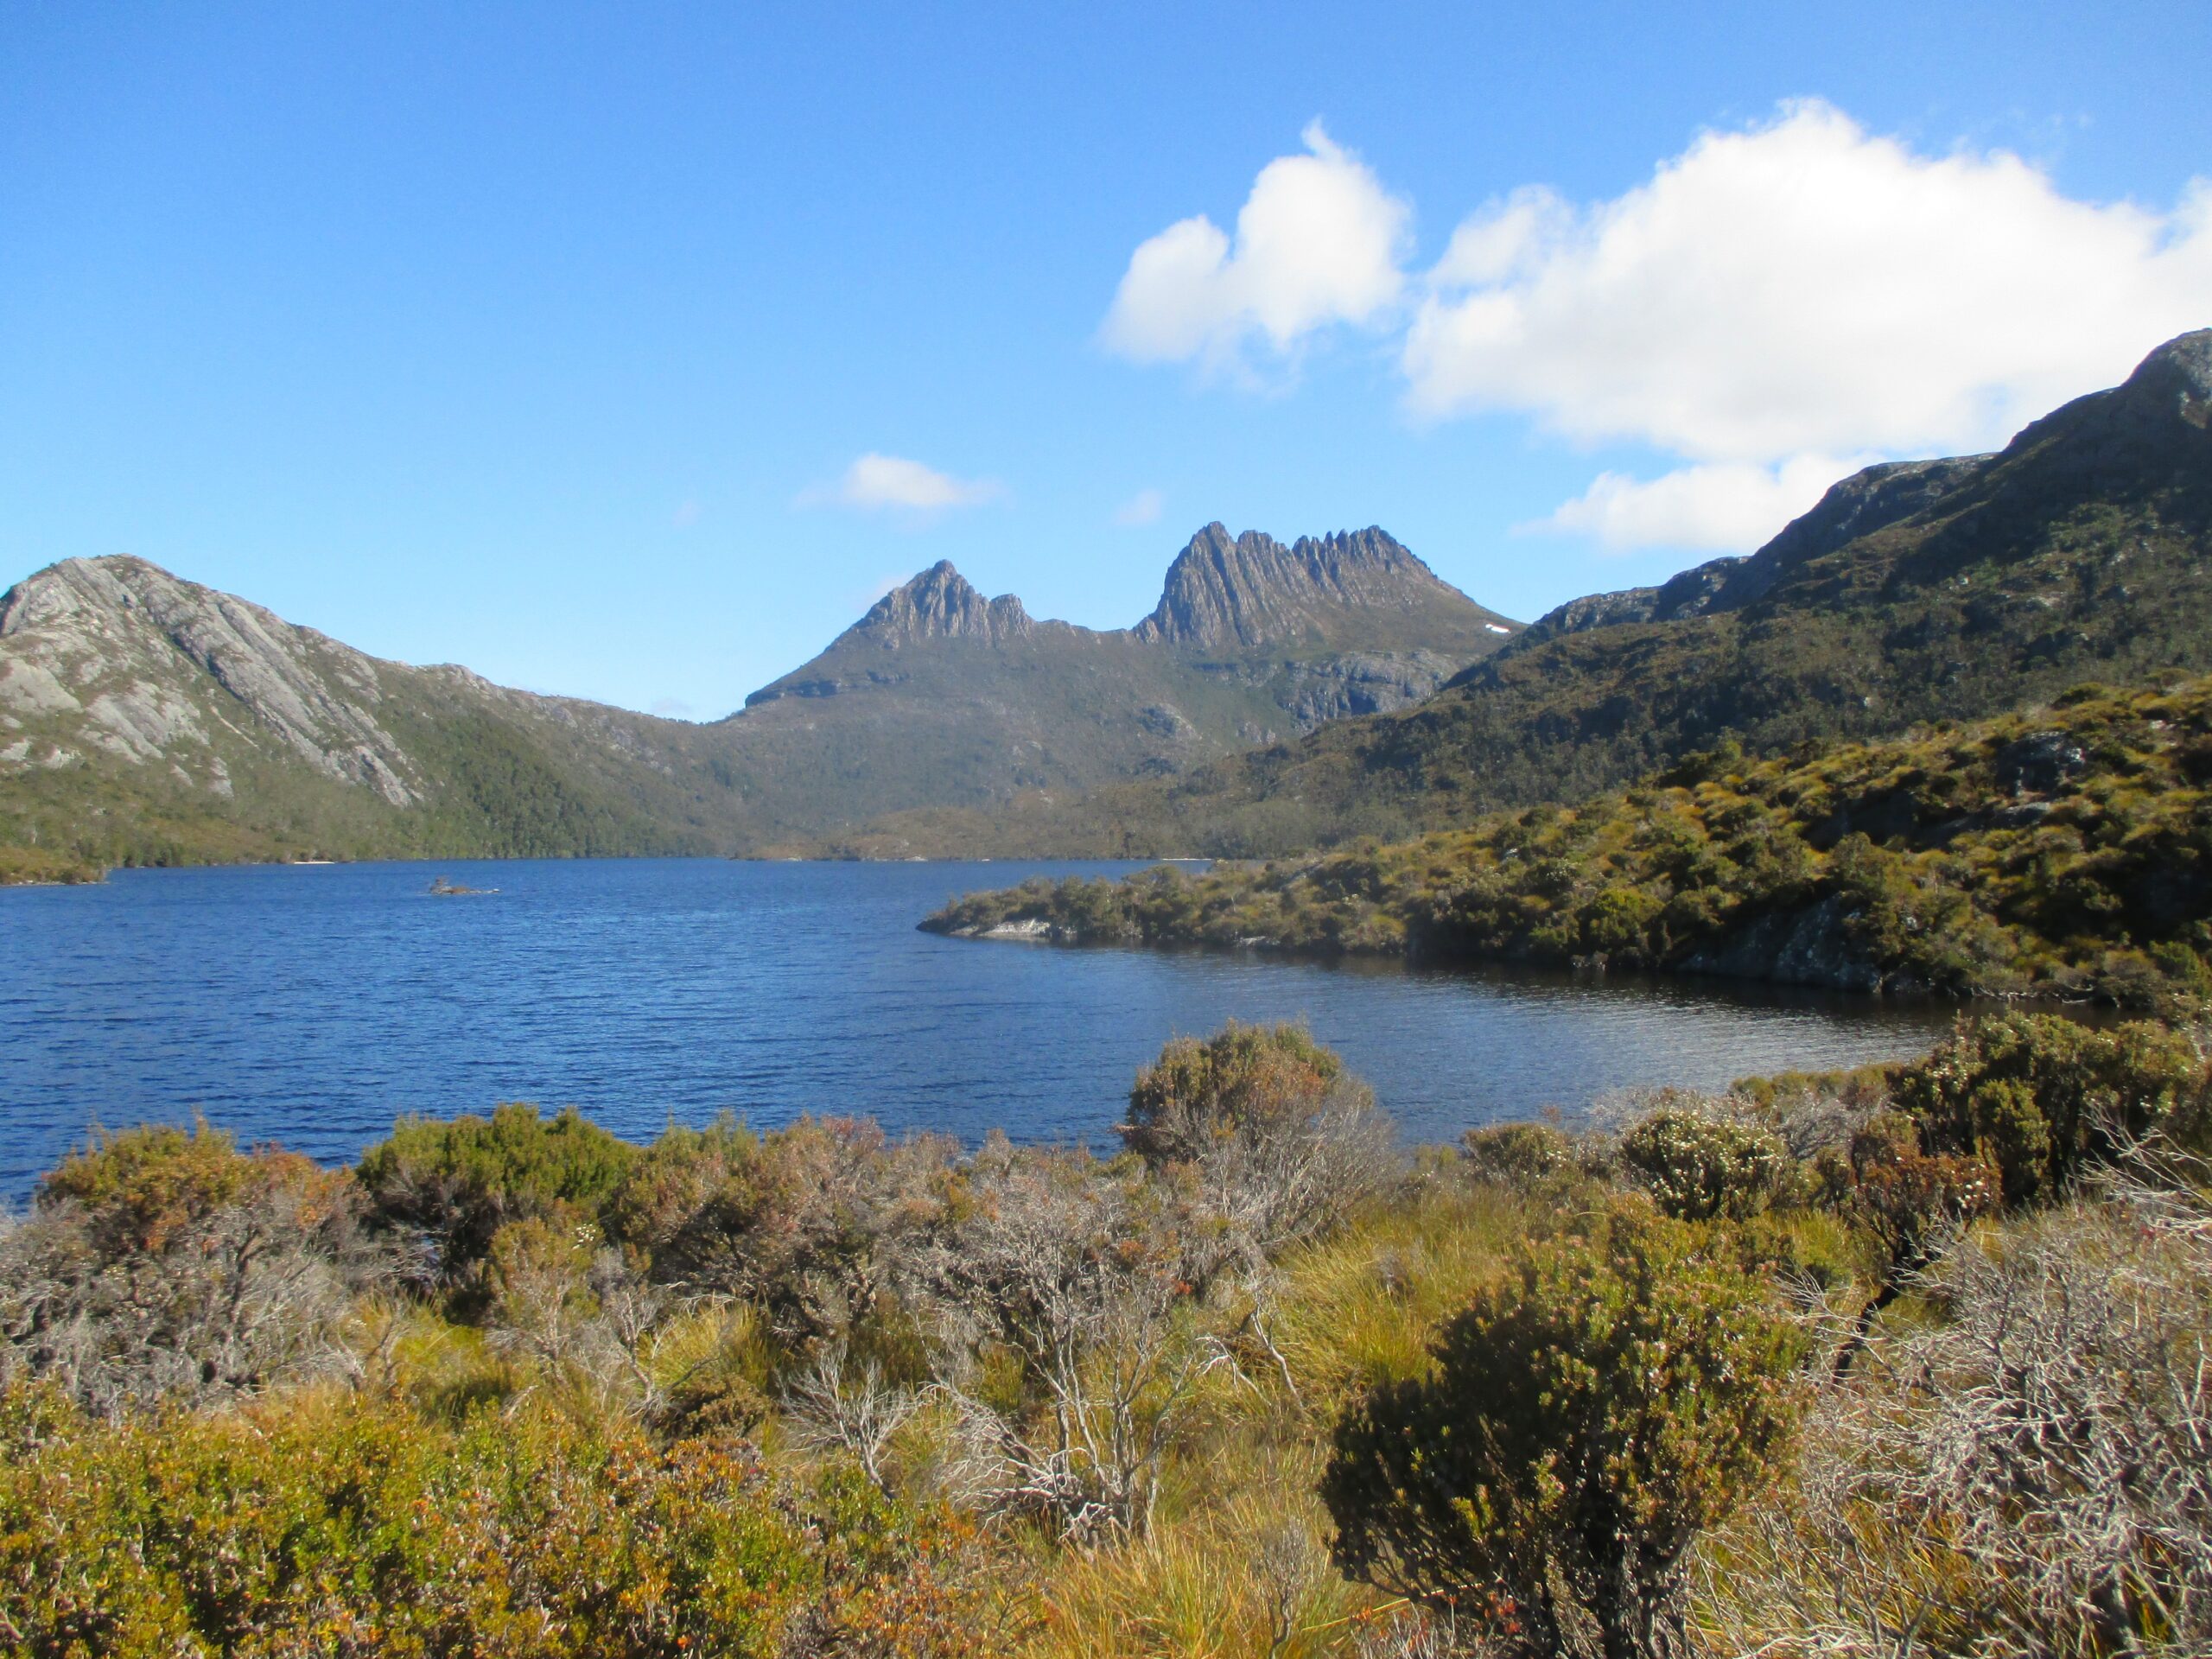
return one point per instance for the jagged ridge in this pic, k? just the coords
(144, 716)
(1253, 592)
(1912, 593)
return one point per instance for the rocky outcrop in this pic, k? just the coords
(1860, 504)
(2157, 421)
(1690, 594)
(1252, 593)
(1363, 683)
(2158, 417)
(123, 645)
(2040, 764)
(941, 604)
(1864, 503)
(1811, 947)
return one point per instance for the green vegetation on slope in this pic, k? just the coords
(506, 789)
(2082, 551)
(147, 720)
(2067, 852)
(23, 866)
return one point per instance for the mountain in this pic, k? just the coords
(1912, 593)
(940, 697)
(1361, 591)
(145, 718)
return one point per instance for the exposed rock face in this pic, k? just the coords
(170, 704)
(1859, 505)
(941, 604)
(1812, 946)
(2161, 412)
(2040, 763)
(1690, 594)
(1364, 682)
(144, 716)
(115, 639)
(1252, 593)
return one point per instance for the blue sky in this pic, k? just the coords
(628, 351)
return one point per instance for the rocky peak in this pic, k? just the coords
(1252, 591)
(2177, 378)
(2140, 435)
(2159, 418)
(941, 604)
(76, 588)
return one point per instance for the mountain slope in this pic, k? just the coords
(1926, 591)
(941, 698)
(144, 718)
(2064, 852)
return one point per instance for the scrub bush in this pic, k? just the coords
(1697, 1165)
(337, 1527)
(2043, 1098)
(158, 1264)
(1517, 1154)
(1282, 1140)
(454, 1184)
(1587, 1419)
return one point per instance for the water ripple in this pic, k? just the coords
(312, 1005)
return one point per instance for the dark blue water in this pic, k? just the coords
(313, 1005)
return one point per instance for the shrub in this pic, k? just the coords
(345, 1527)
(802, 1222)
(2026, 1474)
(1069, 1340)
(2043, 1097)
(455, 1183)
(1587, 1419)
(1915, 1204)
(158, 1263)
(1697, 1165)
(1280, 1138)
(1517, 1154)
(1618, 923)
(1237, 1080)
(137, 1188)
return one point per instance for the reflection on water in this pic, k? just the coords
(312, 1005)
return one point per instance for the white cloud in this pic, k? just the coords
(1318, 241)
(1727, 506)
(1769, 300)
(892, 483)
(1142, 508)
(1800, 289)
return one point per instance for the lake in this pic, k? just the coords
(312, 1005)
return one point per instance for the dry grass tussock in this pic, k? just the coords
(2024, 1467)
